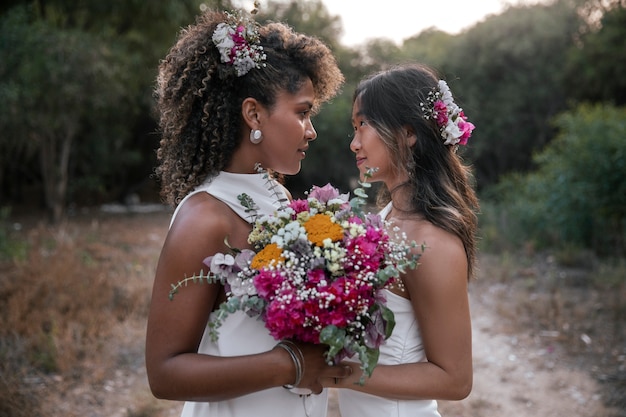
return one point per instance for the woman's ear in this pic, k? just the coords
(250, 111)
(410, 136)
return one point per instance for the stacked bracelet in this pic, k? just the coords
(298, 360)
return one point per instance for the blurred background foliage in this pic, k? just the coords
(544, 84)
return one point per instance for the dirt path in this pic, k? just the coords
(514, 376)
(517, 375)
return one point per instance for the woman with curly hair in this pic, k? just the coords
(408, 127)
(235, 101)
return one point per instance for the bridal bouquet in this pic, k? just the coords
(315, 274)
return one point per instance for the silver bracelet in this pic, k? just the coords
(297, 358)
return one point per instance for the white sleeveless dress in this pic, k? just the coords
(403, 346)
(243, 335)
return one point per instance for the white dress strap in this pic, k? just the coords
(267, 194)
(386, 210)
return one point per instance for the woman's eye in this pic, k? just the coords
(359, 124)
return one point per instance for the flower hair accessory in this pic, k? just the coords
(238, 42)
(452, 122)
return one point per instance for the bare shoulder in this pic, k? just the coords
(204, 222)
(202, 210)
(436, 240)
(443, 258)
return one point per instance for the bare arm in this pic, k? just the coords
(438, 292)
(175, 328)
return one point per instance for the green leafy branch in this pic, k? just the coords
(272, 186)
(249, 205)
(208, 277)
(359, 200)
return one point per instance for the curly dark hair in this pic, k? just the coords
(440, 185)
(199, 98)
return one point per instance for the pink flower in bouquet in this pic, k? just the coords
(267, 281)
(326, 194)
(299, 206)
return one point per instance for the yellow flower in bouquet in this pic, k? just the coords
(321, 227)
(271, 255)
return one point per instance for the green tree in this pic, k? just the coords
(310, 17)
(431, 46)
(577, 195)
(76, 91)
(52, 81)
(510, 72)
(596, 65)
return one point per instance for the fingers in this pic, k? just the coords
(338, 372)
(347, 371)
(317, 373)
(317, 389)
(336, 376)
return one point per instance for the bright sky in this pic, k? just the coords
(400, 19)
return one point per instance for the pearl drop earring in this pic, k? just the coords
(256, 136)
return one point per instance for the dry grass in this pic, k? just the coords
(65, 302)
(74, 300)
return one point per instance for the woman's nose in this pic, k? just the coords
(311, 133)
(355, 145)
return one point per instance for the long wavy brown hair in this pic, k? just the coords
(199, 98)
(440, 185)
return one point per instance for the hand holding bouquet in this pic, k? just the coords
(316, 274)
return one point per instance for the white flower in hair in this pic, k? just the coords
(452, 133)
(446, 94)
(223, 40)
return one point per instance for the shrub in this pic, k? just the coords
(577, 195)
